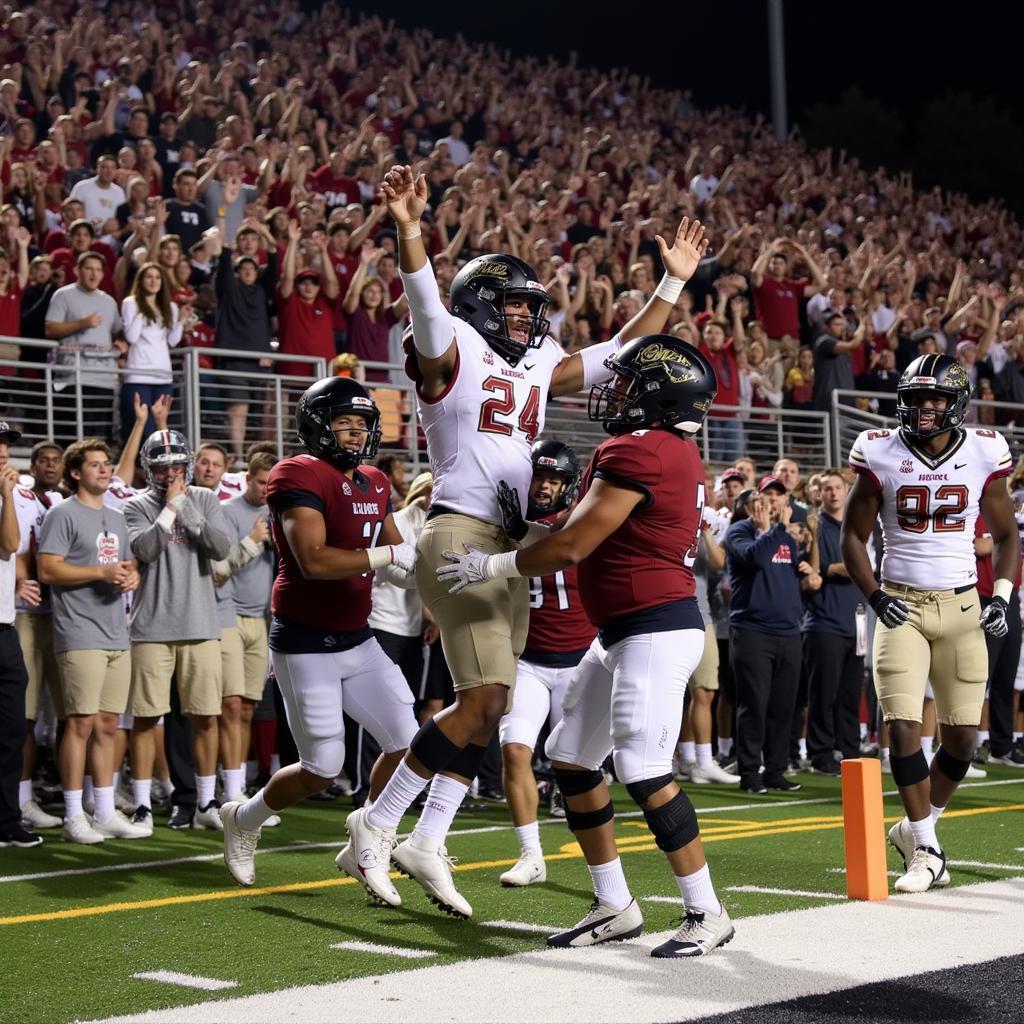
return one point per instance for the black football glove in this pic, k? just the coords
(891, 611)
(993, 618)
(512, 520)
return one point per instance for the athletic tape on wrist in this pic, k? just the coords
(669, 289)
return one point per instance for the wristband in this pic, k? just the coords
(669, 289)
(1003, 589)
(503, 566)
(379, 557)
(166, 518)
(409, 230)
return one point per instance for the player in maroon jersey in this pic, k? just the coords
(332, 528)
(633, 537)
(559, 636)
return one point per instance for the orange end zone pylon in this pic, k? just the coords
(864, 829)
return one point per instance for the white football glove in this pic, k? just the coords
(403, 556)
(464, 570)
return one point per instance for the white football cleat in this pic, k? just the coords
(79, 830)
(367, 858)
(208, 817)
(239, 845)
(682, 770)
(425, 860)
(117, 826)
(530, 869)
(713, 772)
(33, 816)
(700, 933)
(143, 818)
(974, 772)
(272, 822)
(602, 924)
(927, 868)
(901, 838)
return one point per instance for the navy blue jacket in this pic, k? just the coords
(833, 608)
(764, 579)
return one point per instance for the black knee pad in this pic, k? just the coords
(674, 824)
(952, 767)
(467, 761)
(432, 748)
(577, 783)
(910, 770)
(580, 820)
(643, 790)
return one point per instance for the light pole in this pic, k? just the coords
(777, 68)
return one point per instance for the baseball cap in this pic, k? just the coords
(307, 275)
(732, 473)
(771, 481)
(8, 434)
(247, 259)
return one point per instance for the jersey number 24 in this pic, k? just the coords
(503, 404)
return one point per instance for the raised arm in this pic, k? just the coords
(288, 269)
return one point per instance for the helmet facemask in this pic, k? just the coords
(943, 420)
(500, 327)
(327, 445)
(614, 403)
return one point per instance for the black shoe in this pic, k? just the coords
(491, 794)
(181, 816)
(781, 783)
(825, 768)
(359, 798)
(16, 835)
(754, 785)
(332, 792)
(143, 816)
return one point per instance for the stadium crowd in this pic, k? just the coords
(211, 179)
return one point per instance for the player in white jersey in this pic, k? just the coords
(927, 482)
(484, 373)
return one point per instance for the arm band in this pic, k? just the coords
(503, 566)
(593, 356)
(669, 289)
(433, 330)
(409, 230)
(1003, 589)
(535, 533)
(379, 557)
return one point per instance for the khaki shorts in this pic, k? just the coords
(941, 641)
(256, 654)
(197, 666)
(705, 675)
(232, 669)
(94, 681)
(35, 632)
(483, 629)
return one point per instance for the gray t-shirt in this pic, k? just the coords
(98, 356)
(832, 370)
(176, 600)
(90, 616)
(255, 579)
(233, 214)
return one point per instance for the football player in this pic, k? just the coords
(559, 636)
(332, 529)
(484, 373)
(634, 539)
(927, 482)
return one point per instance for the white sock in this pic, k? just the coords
(104, 803)
(927, 746)
(529, 837)
(275, 763)
(703, 755)
(443, 800)
(142, 792)
(698, 893)
(206, 786)
(884, 751)
(610, 884)
(72, 803)
(165, 788)
(936, 812)
(1018, 736)
(24, 792)
(396, 798)
(863, 730)
(803, 746)
(724, 745)
(924, 833)
(254, 812)
(234, 779)
(982, 736)
(687, 752)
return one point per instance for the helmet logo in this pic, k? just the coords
(677, 367)
(490, 268)
(922, 380)
(956, 376)
(359, 400)
(546, 460)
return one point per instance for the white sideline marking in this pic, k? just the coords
(985, 864)
(785, 892)
(774, 957)
(663, 899)
(842, 871)
(188, 980)
(522, 926)
(372, 947)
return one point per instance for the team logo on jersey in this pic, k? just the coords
(783, 555)
(677, 367)
(907, 466)
(346, 489)
(488, 358)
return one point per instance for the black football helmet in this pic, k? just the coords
(558, 458)
(166, 448)
(478, 296)
(318, 406)
(932, 373)
(659, 381)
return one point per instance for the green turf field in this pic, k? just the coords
(72, 942)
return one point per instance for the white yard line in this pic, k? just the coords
(786, 892)
(403, 952)
(774, 957)
(522, 926)
(187, 980)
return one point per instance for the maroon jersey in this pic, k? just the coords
(354, 512)
(558, 622)
(647, 562)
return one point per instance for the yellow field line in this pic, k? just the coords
(569, 851)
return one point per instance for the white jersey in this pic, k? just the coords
(118, 493)
(930, 505)
(480, 429)
(30, 510)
